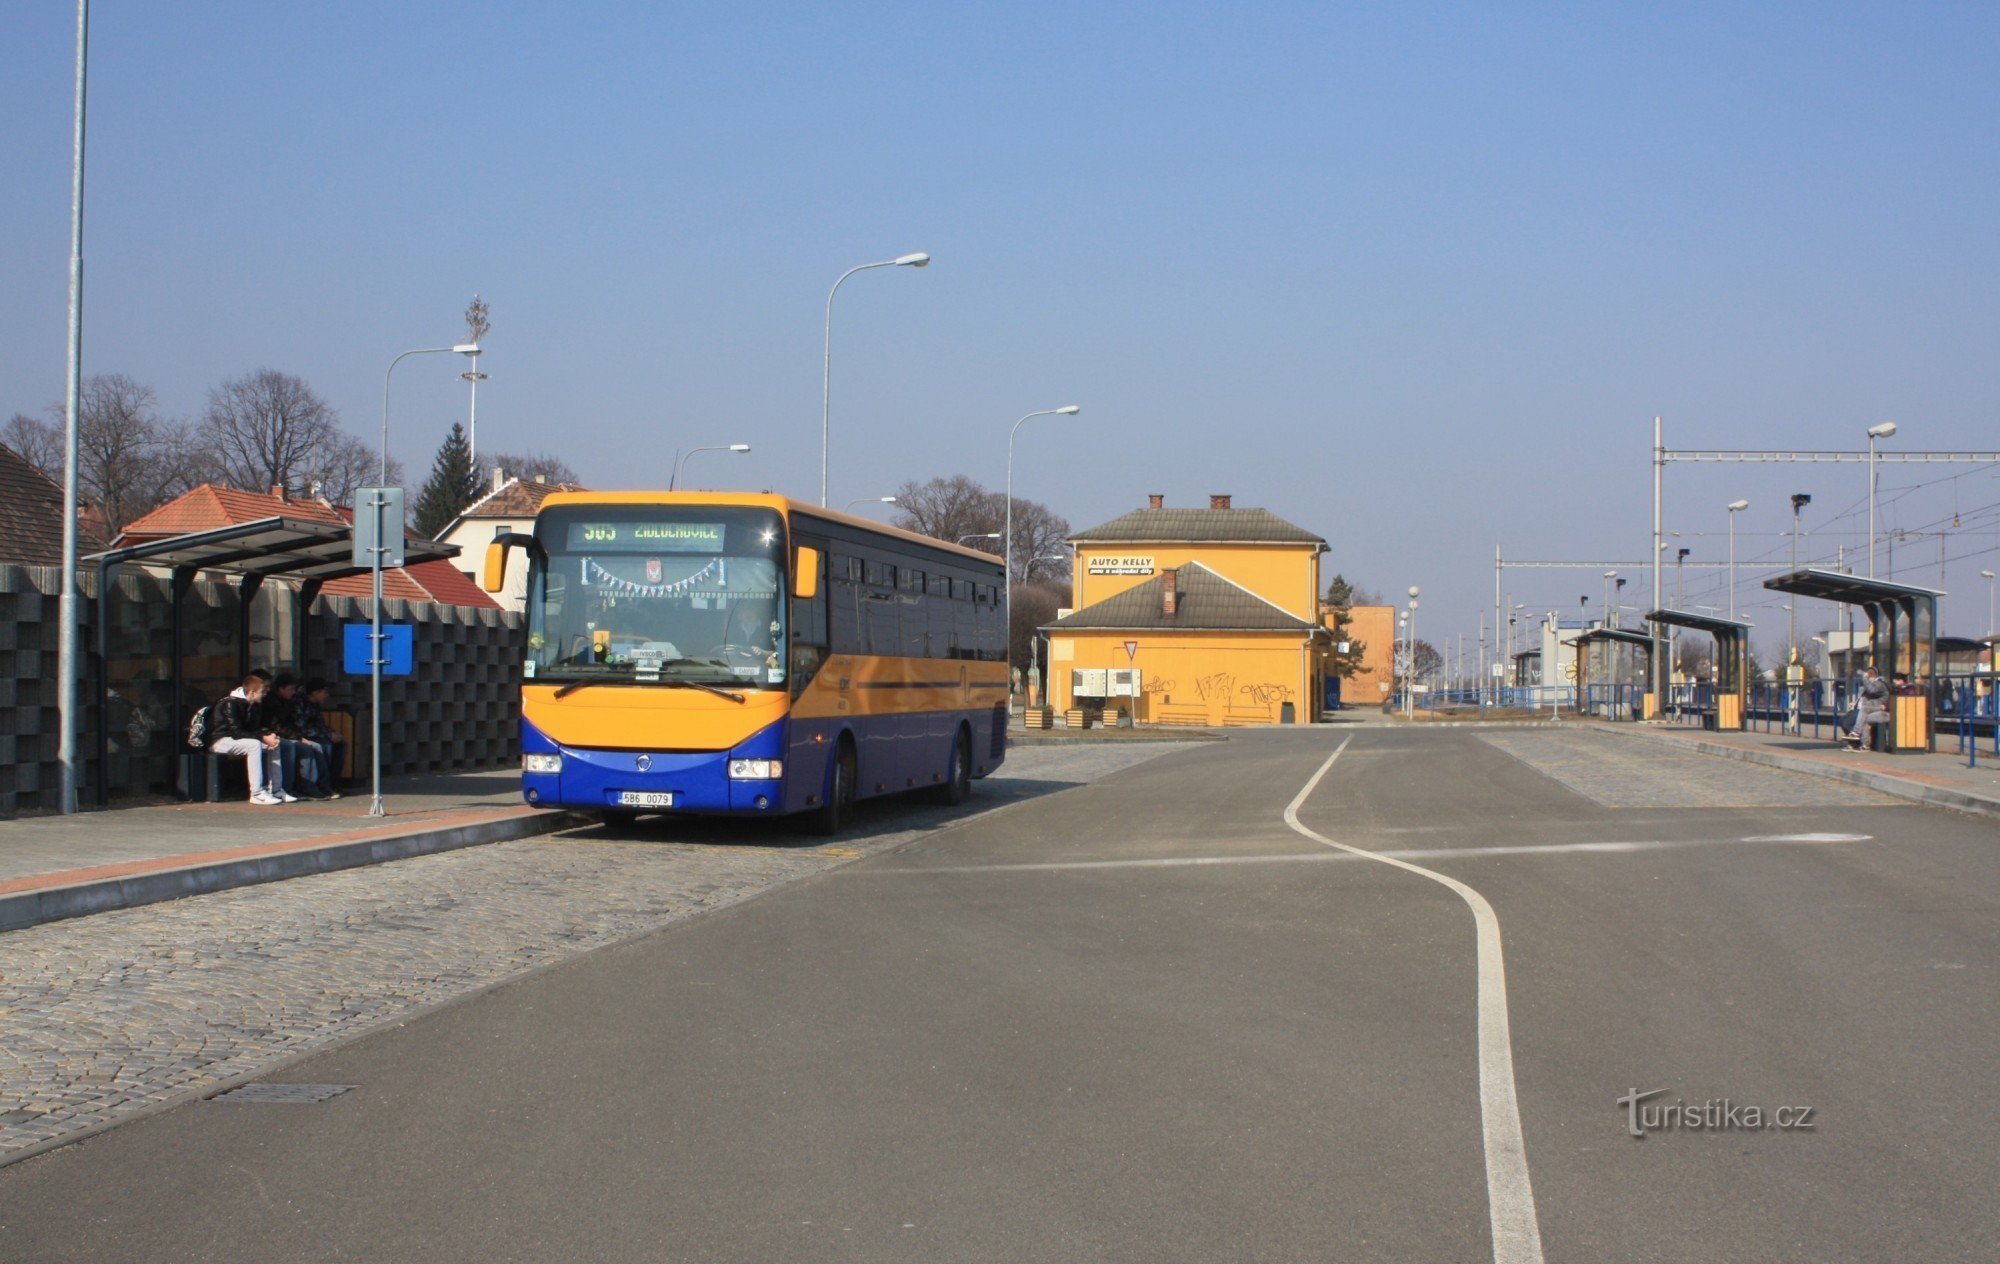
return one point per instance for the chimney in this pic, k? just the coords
(277, 491)
(499, 478)
(1157, 500)
(1170, 592)
(1219, 502)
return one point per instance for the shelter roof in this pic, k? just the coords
(1854, 590)
(1699, 622)
(297, 548)
(1625, 635)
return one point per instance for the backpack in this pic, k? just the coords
(198, 727)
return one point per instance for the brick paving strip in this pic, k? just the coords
(107, 1018)
(46, 897)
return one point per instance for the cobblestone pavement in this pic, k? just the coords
(1644, 775)
(105, 1016)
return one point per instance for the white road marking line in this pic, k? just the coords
(1401, 853)
(1510, 1197)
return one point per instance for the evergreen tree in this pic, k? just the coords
(451, 487)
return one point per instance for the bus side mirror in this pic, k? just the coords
(493, 577)
(805, 573)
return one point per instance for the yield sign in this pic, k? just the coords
(1131, 650)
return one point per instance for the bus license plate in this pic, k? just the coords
(645, 799)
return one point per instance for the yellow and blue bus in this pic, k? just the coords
(712, 653)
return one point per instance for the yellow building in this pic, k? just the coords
(1192, 616)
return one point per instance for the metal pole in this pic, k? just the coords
(1007, 543)
(68, 658)
(1498, 569)
(1658, 659)
(1732, 564)
(1871, 506)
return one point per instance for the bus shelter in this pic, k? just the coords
(305, 552)
(1719, 700)
(1613, 666)
(1902, 641)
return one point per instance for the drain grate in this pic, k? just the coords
(292, 1093)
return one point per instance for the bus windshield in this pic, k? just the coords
(658, 594)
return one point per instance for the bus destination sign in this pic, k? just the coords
(646, 537)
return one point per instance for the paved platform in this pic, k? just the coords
(53, 867)
(1940, 779)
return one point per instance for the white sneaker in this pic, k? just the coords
(286, 796)
(265, 799)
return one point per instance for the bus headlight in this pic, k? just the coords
(756, 769)
(542, 763)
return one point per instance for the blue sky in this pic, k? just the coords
(1417, 277)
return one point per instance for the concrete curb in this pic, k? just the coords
(1885, 783)
(32, 908)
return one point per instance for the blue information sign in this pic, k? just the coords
(399, 649)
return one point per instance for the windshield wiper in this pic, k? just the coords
(575, 685)
(717, 690)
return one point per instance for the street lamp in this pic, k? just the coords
(917, 260)
(1608, 577)
(1988, 577)
(1007, 539)
(1799, 501)
(869, 500)
(468, 349)
(1735, 507)
(680, 463)
(1410, 694)
(979, 535)
(1882, 431)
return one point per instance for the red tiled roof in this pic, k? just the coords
(210, 506)
(31, 516)
(439, 581)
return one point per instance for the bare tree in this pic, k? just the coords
(129, 460)
(949, 509)
(343, 466)
(541, 467)
(268, 429)
(1041, 543)
(36, 442)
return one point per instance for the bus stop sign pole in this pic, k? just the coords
(378, 543)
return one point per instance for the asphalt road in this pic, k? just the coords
(1146, 1019)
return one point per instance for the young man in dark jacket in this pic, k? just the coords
(237, 729)
(307, 721)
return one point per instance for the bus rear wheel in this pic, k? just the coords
(957, 784)
(829, 816)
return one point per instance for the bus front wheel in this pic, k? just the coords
(829, 816)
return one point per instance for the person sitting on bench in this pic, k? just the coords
(236, 730)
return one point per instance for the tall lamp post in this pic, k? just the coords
(1799, 501)
(1007, 538)
(1735, 507)
(1988, 577)
(1608, 577)
(69, 659)
(673, 484)
(1410, 695)
(1882, 431)
(917, 260)
(467, 349)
